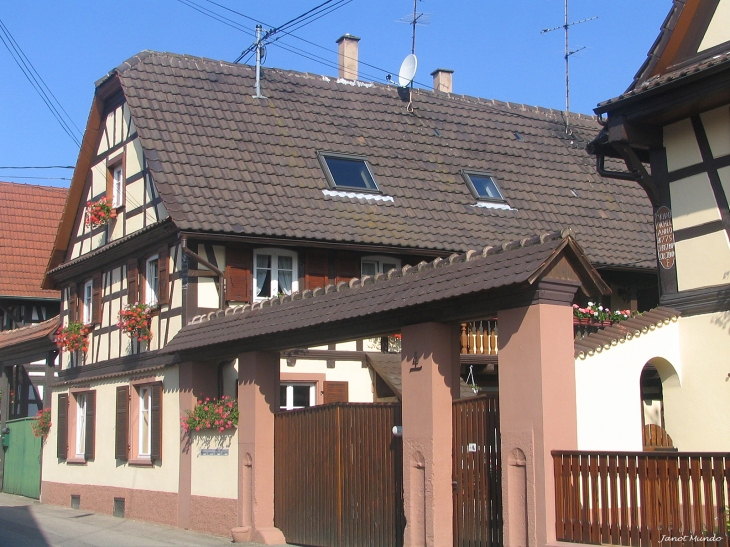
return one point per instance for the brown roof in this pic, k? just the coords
(377, 303)
(388, 366)
(625, 330)
(29, 217)
(225, 162)
(29, 343)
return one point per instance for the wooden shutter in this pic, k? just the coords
(73, 303)
(163, 275)
(239, 276)
(121, 435)
(335, 392)
(347, 266)
(96, 294)
(110, 184)
(90, 425)
(132, 282)
(156, 425)
(317, 269)
(62, 426)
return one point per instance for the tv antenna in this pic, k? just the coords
(566, 26)
(415, 20)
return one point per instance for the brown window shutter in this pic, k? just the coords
(121, 433)
(163, 275)
(90, 425)
(62, 427)
(132, 282)
(335, 392)
(96, 294)
(73, 303)
(347, 266)
(156, 425)
(317, 269)
(239, 266)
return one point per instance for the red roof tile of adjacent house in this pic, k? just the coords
(29, 217)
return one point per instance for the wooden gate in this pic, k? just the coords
(338, 475)
(477, 472)
(22, 460)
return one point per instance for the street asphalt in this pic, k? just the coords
(25, 522)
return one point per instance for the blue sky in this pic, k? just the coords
(494, 47)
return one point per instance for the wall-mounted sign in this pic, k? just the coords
(471, 447)
(664, 237)
(214, 452)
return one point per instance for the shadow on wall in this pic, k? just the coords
(722, 321)
(18, 526)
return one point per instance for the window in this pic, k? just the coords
(297, 395)
(483, 186)
(348, 172)
(275, 273)
(371, 265)
(88, 302)
(152, 281)
(117, 174)
(80, 425)
(145, 429)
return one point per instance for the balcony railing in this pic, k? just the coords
(479, 338)
(642, 498)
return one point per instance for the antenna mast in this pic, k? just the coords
(259, 47)
(566, 26)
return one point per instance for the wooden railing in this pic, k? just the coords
(479, 337)
(640, 498)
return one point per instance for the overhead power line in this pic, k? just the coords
(38, 167)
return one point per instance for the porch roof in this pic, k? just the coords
(34, 339)
(464, 286)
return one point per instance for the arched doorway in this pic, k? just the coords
(655, 374)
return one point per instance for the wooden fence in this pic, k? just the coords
(338, 475)
(638, 498)
(476, 472)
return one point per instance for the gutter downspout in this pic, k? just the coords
(637, 172)
(214, 269)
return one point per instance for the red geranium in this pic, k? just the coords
(135, 320)
(99, 212)
(73, 337)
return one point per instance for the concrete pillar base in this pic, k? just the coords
(264, 536)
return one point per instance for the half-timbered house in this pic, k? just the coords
(220, 198)
(671, 128)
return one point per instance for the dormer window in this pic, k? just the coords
(483, 186)
(345, 172)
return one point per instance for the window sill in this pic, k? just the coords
(76, 461)
(141, 462)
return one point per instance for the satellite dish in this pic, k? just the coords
(407, 71)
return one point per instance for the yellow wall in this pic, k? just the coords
(703, 261)
(105, 469)
(718, 30)
(681, 145)
(360, 383)
(214, 476)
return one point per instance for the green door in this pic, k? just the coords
(22, 460)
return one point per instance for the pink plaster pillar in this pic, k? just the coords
(258, 399)
(537, 415)
(430, 382)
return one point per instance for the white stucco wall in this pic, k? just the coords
(608, 393)
(214, 476)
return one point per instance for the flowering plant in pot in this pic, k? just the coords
(595, 313)
(99, 212)
(73, 337)
(134, 320)
(42, 423)
(211, 414)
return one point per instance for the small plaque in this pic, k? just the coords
(214, 452)
(664, 237)
(471, 447)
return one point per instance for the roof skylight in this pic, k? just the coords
(349, 172)
(483, 186)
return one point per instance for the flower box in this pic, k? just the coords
(73, 337)
(99, 213)
(135, 320)
(211, 415)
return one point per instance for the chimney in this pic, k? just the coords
(347, 56)
(442, 80)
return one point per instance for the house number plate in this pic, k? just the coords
(471, 447)
(214, 452)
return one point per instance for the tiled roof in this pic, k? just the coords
(611, 336)
(388, 366)
(663, 80)
(30, 333)
(510, 265)
(226, 162)
(29, 218)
